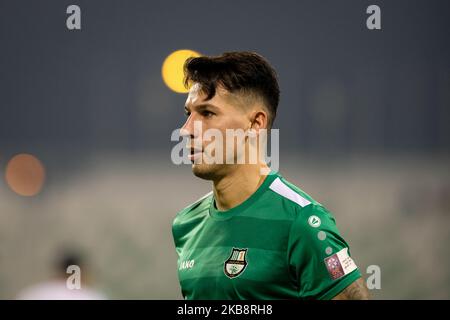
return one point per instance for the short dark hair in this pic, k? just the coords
(243, 72)
(67, 257)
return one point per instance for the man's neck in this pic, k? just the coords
(237, 186)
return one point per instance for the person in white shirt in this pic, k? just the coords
(62, 286)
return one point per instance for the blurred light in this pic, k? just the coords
(25, 174)
(172, 69)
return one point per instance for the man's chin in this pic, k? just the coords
(206, 171)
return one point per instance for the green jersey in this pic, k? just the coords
(278, 244)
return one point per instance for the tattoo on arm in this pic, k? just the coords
(356, 291)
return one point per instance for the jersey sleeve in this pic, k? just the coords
(319, 258)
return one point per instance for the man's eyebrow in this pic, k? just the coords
(201, 107)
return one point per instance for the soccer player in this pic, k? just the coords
(256, 235)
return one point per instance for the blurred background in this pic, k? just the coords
(86, 117)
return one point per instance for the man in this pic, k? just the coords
(255, 236)
(57, 288)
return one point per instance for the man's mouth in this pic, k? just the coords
(194, 153)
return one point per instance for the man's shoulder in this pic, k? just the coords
(291, 193)
(296, 200)
(199, 205)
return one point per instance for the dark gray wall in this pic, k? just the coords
(344, 88)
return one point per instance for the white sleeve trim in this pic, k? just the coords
(283, 190)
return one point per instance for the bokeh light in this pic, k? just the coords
(172, 69)
(25, 174)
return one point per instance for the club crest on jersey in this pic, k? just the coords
(236, 263)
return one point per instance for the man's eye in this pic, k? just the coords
(187, 113)
(207, 114)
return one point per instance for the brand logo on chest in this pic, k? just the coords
(186, 264)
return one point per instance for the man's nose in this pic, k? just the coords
(188, 128)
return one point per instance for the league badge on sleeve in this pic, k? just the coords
(236, 263)
(340, 264)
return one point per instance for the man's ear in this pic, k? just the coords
(259, 120)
